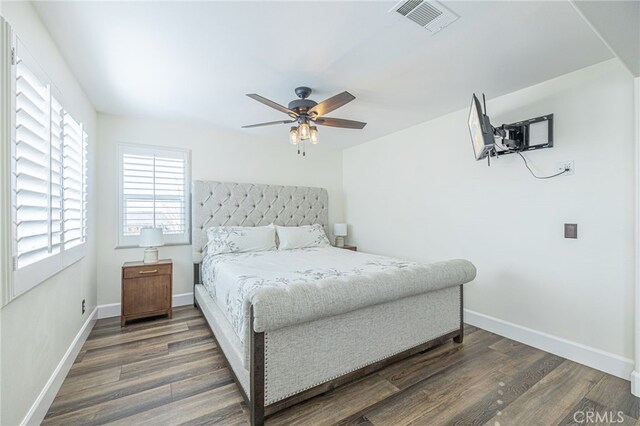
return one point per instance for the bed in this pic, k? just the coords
(293, 324)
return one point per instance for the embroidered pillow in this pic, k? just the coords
(238, 239)
(295, 237)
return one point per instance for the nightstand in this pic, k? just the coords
(146, 290)
(350, 247)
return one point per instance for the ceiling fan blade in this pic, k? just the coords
(272, 104)
(269, 123)
(339, 122)
(332, 103)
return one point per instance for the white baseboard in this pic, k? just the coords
(108, 311)
(182, 299)
(635, 383)
(113, 309)
(595, 358)
(39, 409)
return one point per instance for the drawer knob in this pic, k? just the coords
(149, 272)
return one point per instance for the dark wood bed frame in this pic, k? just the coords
(255, 401)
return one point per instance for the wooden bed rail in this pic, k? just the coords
(197, 268)
(256, 402)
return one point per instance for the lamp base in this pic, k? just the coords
(340, 242)
(150, 255)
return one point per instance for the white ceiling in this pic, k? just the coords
(196, 60)
(618, 24)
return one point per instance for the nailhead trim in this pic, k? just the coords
(266, 366)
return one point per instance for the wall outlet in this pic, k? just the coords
(83, 306)
(566, 165)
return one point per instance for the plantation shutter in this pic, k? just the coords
(33, 171)
(57, 117)
(74, 184)
(137, 181)
(49, 185)
(154, 193)
(170, 196)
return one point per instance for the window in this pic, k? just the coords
(154, 191)
(49, 157)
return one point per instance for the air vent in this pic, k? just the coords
(431, 15)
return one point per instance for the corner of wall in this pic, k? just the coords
(635, 376)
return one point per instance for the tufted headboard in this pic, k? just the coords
(248, 204)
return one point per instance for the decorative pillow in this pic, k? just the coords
(237, 239)
(295, 237)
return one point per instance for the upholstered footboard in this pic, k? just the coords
(301, 357)
(292, 364)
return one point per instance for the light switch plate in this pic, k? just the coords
(571, 230)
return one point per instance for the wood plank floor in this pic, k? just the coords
(170, 372)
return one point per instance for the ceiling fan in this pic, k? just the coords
(307, 113)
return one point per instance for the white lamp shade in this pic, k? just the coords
(340, 229)
(151, 237)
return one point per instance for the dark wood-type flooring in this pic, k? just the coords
(169, 372)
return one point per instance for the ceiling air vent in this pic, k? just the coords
(431, 15)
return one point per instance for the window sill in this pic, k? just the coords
(30, 276)
(122, 247)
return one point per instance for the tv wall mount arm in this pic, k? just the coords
(516, 137)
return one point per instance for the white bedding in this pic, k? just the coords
(232, 278)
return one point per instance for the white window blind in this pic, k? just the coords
(49, 179)
(57, 173)
(154, 191)
(34, 202)
(74, 183)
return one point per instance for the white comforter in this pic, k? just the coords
(232, 278)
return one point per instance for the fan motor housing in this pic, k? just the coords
(302, 105)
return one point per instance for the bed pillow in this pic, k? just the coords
(296, 237)
(238, 239)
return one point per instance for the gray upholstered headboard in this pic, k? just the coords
(247, 204)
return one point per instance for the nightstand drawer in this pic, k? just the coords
(147, 271)
(142, 295)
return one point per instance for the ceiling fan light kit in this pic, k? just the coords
(304, 131)
(294, 136)
(313, 135)
(307, 114)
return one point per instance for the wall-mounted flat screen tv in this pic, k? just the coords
(480, 129)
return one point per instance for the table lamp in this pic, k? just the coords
(340, 231)
(150, 239)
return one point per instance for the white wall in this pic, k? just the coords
(216, 155)
(39, 326)
(419, 194)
